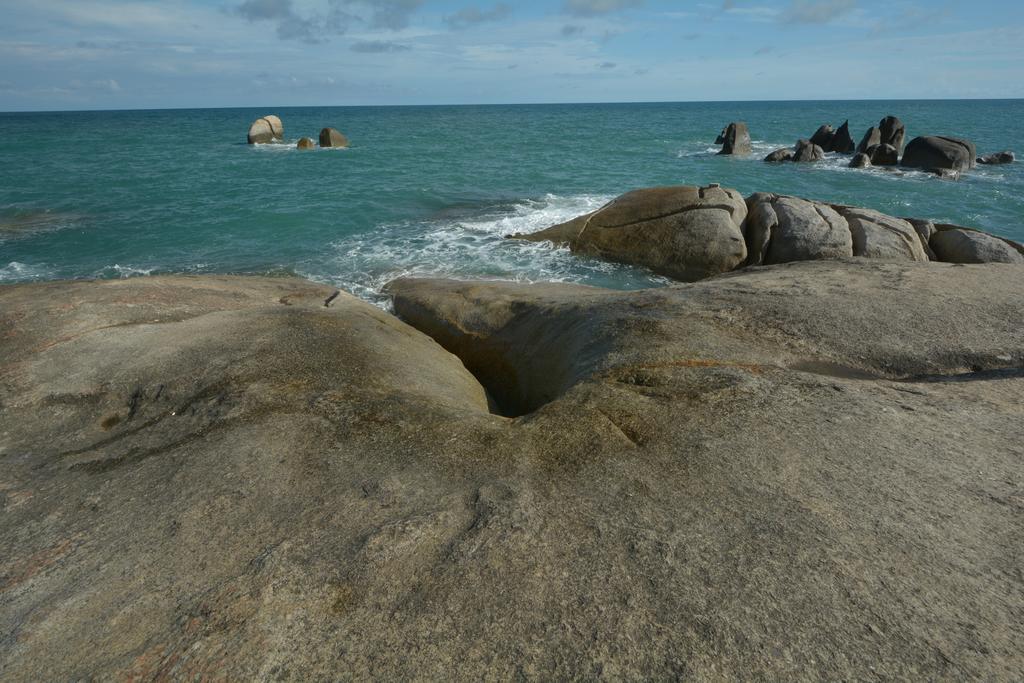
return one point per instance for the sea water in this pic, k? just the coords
(433, 191)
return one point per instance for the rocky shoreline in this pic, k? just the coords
(810, 469)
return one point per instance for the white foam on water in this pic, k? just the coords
(24, 272)
(475, 247)
(122, 272)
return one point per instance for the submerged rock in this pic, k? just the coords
(860, 160)
(937, 153)
(330, 137)
(784, 154)
(1005, 157)
(685, 232)
(266, 129)
(735, 139)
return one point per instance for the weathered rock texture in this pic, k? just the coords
(266, 129)
(780, 229)
(329, 137)
(684, 232)
(936, 153)
(735, 139)
(806, 471)
(956, 244)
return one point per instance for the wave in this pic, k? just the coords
(25, 272)
(473, 246)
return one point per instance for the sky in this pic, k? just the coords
(143, 54)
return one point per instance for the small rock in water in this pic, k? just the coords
(329, 137)
(306, 143)
(884, 155)
(823, 136)
(784, 154)
(997, 158)
(860, 160)
(266, 129)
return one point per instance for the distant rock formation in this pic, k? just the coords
(997, 158)
(735, 139)
(938, 153)
(841, 140)
(266, 129)
(306, 143)
(329, 137)
(807, 151)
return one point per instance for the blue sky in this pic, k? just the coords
(114, 54)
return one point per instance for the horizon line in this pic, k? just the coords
(510, 104)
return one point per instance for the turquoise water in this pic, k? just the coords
(431, 190)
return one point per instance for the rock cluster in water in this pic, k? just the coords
(690, 233)
(269, 129)
(883, 145)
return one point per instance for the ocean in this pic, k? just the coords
(432, 190)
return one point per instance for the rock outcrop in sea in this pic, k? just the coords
(807, 470)
(266, 129)
(938, 153)
(735, 139)
(329, 137)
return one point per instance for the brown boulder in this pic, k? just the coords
(329, 137)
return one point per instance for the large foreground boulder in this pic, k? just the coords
(685, 232)
(937, 153)
(735, 139)
(266, 129)
(329, 137)
(780, 229)
(801, 471)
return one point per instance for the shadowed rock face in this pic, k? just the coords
(736, 478)
(841, 141)
(808, 151)
(687, 233)
(937, 153)
(330, 137)
(872, 137)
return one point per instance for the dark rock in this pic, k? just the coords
(997, 158)
(266, 129)
(808, 151)
(687, 233)
(883, 155)
(823, 137)
(892, 132)
(872, 137)
(784, 154)
(329, 137)
(841, 141)
(860, 160)
(735, 139)
(934, 152)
